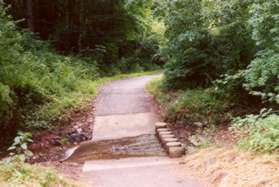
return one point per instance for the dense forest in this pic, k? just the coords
(220, 61)
(108, 30)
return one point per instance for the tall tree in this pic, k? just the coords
(30, 16)
(82, 17)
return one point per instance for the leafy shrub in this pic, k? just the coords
(19, 148)
(191, 106)
(258, 132)
(262, 75)
(199, 106)
(214, 41)
(17, 173)
(37, 82)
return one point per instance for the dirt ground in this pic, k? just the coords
(74, 127)
(49, 146)
(226, 166)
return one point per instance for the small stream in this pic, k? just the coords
(140, 146)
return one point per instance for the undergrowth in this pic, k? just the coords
(202, 107)
(37, 84)
(15, 172)
(18, 173)
(190, 106)
(258, 133)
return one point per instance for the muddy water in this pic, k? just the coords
(140, 146)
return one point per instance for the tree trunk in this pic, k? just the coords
(30, 17)
(81, 25)
(67, 14)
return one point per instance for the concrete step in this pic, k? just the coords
(139, 172)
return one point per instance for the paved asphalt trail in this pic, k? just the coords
(124, 110)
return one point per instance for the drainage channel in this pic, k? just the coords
(139, 146)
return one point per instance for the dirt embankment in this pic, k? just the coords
(226, 167)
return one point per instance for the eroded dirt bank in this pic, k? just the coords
(229, 167)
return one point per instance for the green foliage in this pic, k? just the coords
(19, 147)
(264, 20)
(262, 75)
(37, 85)
(155, 87)
(258, 133)
(190, 106)
(35, 81)
(231, 46)
(108, 30)
(199, 106)
(216, 39)
(17, 173)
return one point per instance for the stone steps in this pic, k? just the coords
(169, 142)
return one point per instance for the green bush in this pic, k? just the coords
(262, 75)
(215, 41)
(191, 106)
(199, 106)
(17, 173)
(258, 133)
(37, 82)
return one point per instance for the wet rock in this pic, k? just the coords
(159, 125)
(56, 142)
(77, 136)
(164, 133)
(79, 130)
(158, 131)
(174, 144)
(168, 140)
(199, 124)
(176, 152)
(168, 136)
(197, 140)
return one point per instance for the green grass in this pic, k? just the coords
(190, 106)
(258, 133)
(22, 174)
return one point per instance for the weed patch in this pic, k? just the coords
(20, 174)
(190, 106)
(259, 133)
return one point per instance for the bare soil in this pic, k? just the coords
(50, 145)
(227, 166)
